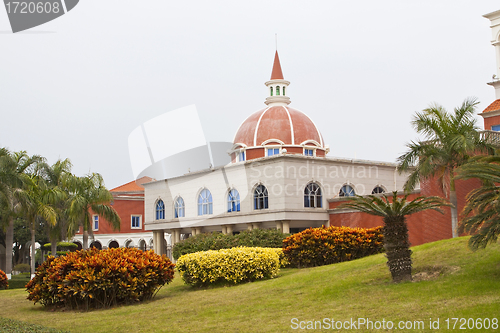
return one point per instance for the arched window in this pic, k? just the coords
(160, 210)
(347, 191)
(205, 202)
(260, 198)
(378, 189)
(312, 196)
(179, 209)
(271, 90)
(284, 91)
(233, 201)
(277, 90)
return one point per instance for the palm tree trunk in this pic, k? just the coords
(33, 251)
(53, 245)
(9, 240)
(85, 239)
(397, 247)
(454, 213)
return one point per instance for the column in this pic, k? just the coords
(249, 226)
(286, 227)
(255, 225)
(229, 229)
(279, 225)
(224, 229)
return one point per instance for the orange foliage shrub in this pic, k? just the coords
(324, 246)
(4, 282)
(99, 279)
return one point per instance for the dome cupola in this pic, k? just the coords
(278, 129)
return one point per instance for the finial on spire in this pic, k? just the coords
(276, 38)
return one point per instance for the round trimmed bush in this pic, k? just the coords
(235, 265)
(4, 282)
(99, 279)
(324, 246)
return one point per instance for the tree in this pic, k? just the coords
(88, 194)
(13, 179)
(56, 176)
(482, 211)
(450, 140)
(394, 210)
(38, 202)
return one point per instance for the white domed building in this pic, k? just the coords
(279, 176)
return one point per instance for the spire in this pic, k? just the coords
(278, 86)
(277, 74)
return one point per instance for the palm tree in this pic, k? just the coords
(482, 211)
(38, 202)
(90, 195)
(13, 179)
(450, 140)
(394, 210)
(56, 176)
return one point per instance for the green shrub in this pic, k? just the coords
(235, 265)
(4, 282)
(61, 246)
(19, 281)
(23, 268)
(324, 246)
(217, 241)
(99, 279)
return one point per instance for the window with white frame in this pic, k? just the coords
(136, 221)
(273, 151)
(378, 189)
(233, 201)
(347, 191)
(205, 203)
(312, 196)
(241, 156)
(260, 198)
(308, 152)
(160, 210)
(95, 222)
(179, 208)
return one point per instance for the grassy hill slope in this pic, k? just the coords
(453, 282)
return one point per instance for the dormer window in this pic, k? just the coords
(241, 156)
(273, 151)
(308, 152)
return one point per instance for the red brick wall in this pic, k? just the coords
(255, 153)
(490, 121)
(125, 209)
(424, 227)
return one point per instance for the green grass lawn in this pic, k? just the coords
(468, 287)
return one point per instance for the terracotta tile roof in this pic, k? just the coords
(495, 106)
(276, 74)
(133, 186)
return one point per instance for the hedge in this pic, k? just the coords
(216, 241)
(235, 265)
(4, 282)
(324, 246)
(61, 246)
(99, 279)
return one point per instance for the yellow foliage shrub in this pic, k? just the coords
(235, 265)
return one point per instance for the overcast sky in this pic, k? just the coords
(77, 86)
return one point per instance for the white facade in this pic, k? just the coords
(284, 176)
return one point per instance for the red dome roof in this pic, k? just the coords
(282, 123)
